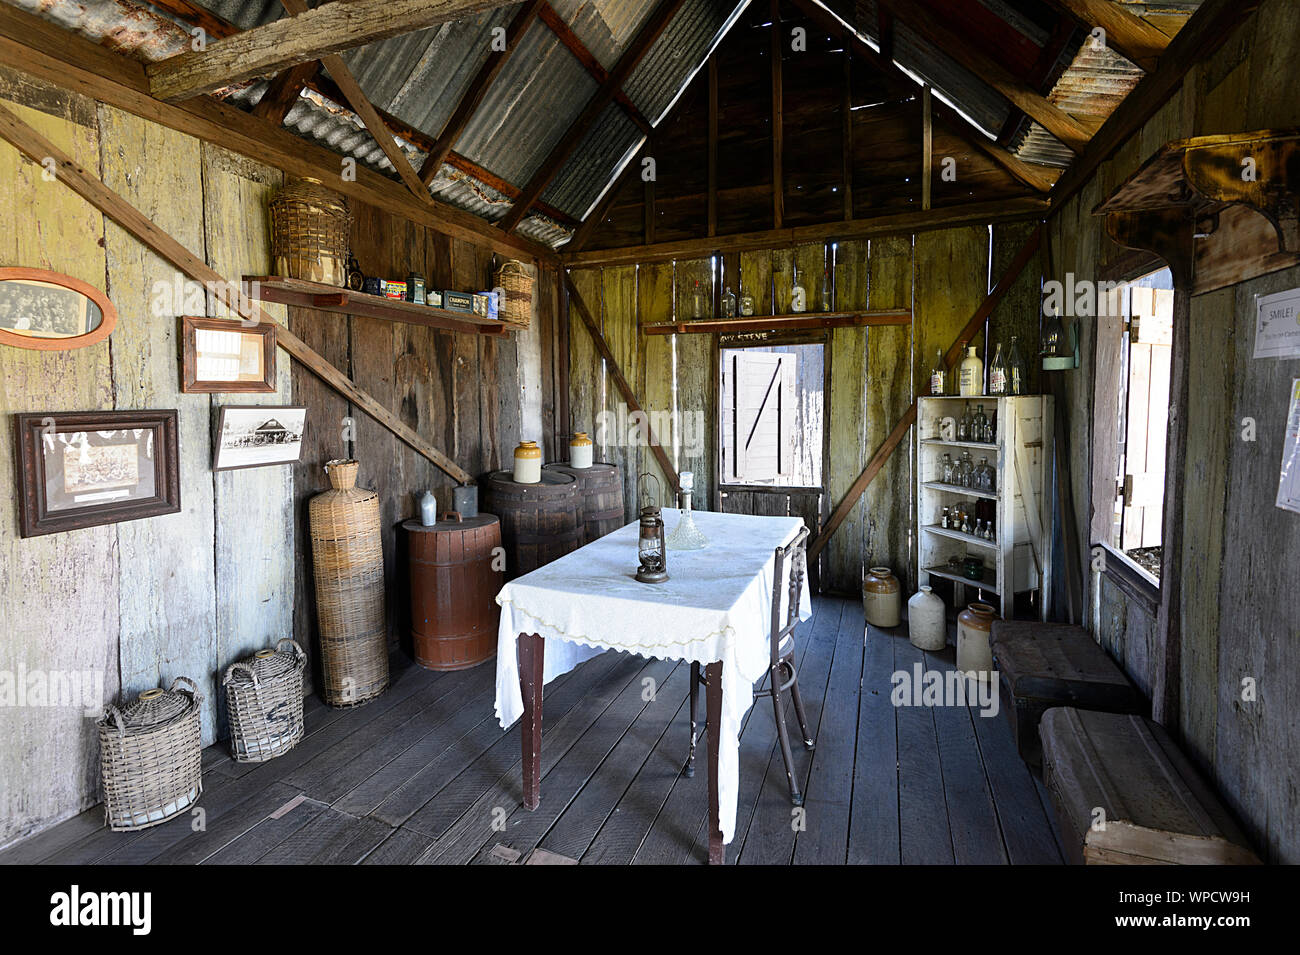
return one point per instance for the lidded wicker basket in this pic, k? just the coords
(517, 281)
(149, 757)
(348, 564)
(309, 232)
(264, 698)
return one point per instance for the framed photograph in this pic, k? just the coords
(253, 436)
(49, 311)
(82, 469)
(223, 355)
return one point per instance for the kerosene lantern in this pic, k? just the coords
(651, 551)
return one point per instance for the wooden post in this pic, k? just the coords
(530, 651)
(778, 122)
(927, 140)
(713, 148)
(846, 131)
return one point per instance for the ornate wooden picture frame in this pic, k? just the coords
(83, 469)
(221, 355)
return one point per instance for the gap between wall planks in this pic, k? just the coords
(887, 447)
(29, 142)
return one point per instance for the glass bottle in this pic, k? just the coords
(728, 303)
(986, 476)
(971, 381)
(746, 301)
(978, 424)
(1017, 372)
(686, 536)
(967, 469)
(826, 290)
(998, 373)
(697, 301)
(937, 373)
(965, 523)
(963, 425)
(943, 521)
(798, 296)
(947, 469)
(978, 529)
(990, 435)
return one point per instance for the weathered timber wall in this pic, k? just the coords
(1239, 606)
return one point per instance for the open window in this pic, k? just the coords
(771, 429)
(1131, 420)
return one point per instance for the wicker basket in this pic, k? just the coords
(348, 559)
(149, 757)
(309, 233)
(517, 282)
(264, 698)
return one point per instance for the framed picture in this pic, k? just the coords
(82, 469)
(253, 436)
(223, 355)
(49, 311)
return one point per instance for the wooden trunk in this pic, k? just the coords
(539, 522)
(600, 496)
(1041, 665)
(1157, 809)
(454, 613)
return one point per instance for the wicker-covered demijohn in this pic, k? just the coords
(149, 757)
(348, 562)
(516, 280)
(264, 699)
(309, 232)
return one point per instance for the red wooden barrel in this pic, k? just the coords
(539, 522)
(454, 612)
(600, 490)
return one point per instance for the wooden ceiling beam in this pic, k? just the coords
(284, 91)
(361, 105)
(44, 50)
(1128, 35)
(1070, 131)
(477, 89)
(550, 167)
(329, 28)
(573, 43)
(1039, 178)
(903, 223)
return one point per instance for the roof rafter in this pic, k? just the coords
(1069, 130)
(329, 28)
(1130, 36)
(284, 91)
(573, 43)
(632, 55)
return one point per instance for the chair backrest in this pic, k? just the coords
(792, 555)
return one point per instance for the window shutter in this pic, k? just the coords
(758, 425)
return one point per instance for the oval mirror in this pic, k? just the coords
(50, 311)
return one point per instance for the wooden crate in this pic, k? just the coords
(1124, 794)
(1042, 665)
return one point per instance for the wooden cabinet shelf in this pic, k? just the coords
(769, 323)
(328, 298)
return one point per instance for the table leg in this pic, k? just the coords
(530, 651)
(713, 704)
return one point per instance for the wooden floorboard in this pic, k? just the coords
(425, 774)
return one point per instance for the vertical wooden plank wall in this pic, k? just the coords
(619, 300)
(655, 386)
(849, 385)
(60, 592)
(697, 390)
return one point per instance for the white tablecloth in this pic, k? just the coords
(717, 605)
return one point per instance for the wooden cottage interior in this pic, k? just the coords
(724, 246)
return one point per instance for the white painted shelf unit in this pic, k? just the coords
(1021, 554)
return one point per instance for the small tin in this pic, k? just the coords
(457, 301)
(373, 286)
(433, 298)
(481, 303)
(415, 289)
(395, 290)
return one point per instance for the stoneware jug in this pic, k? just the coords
(926, 624)
(881, 597)
(974, 649)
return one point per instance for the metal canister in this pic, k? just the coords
(373, 286)
(415, 289)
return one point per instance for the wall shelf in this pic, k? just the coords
(770, 323)
(328, 298)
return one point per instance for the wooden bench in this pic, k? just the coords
(1124, 794)
(1041, 665)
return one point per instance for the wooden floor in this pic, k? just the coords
(425, 774)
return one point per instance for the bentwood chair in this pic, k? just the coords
(781, 674)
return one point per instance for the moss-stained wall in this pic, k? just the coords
(1240, 608)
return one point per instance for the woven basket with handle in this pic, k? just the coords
(309, 232)
(348, 563)
(264, 698)
(516, 280)
(149, 757)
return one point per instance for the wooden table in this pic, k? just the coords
(715, 610)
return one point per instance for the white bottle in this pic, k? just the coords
(972, 373)
(798, 297)
(926, 624)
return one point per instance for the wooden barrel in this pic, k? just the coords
(539, 522)
(600, 495)
(454, 613)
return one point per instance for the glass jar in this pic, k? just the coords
(966, 470)
(963, 425)
(947, 469)
(985, 476)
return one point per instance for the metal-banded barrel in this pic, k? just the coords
(454, 612)
(539, 522)
(600, 496)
